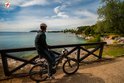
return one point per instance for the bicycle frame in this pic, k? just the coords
(60, 58)
(45, 68)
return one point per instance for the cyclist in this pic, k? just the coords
(42, 48)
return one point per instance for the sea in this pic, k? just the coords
(12, 40)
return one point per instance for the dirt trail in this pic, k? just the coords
(106, 71)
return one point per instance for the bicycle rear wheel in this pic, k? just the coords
(39, 72)
(70, 66)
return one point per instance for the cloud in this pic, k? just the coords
(20, 25)
(62, 14)
(57, 17)
(59, 13)
(34, 2)
(27, 24)
(86, 13)
(57, 9)
(26, 3)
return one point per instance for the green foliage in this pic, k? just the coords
(114, 50)
(87, 31)
(112, 15)
(81, 29)
(69, 30)
(95, 39)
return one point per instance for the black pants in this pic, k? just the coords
(50, 57)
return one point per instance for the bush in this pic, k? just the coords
(95, 39)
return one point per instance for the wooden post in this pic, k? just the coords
(101, 51)
(5, 64)
(78, 54)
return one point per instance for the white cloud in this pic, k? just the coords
(27, 24)
(62, 14)
(34, 2)
(26, 3)
(59, 13)
(25, 20)
(63, 23)
(24, 25)
(87, 14)
(57, 9)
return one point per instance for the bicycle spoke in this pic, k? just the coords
(38, 72)
(70, 66)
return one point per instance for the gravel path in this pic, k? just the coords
(106, 71)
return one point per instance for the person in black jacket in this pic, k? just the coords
(42, 47)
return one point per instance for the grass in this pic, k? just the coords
(113, 50)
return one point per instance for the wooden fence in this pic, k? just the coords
(75, 47)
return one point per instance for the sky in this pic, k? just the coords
(26, 15)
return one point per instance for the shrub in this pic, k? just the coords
(95, 39)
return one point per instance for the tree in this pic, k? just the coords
(81, 29)
(112, 14)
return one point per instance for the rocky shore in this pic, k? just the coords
(112, 39)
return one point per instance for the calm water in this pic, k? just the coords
(26, 39)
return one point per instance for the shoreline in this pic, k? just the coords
(108, 39)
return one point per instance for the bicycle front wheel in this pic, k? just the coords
(70, 66)
(38, 72)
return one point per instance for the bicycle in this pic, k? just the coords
(39, 72)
